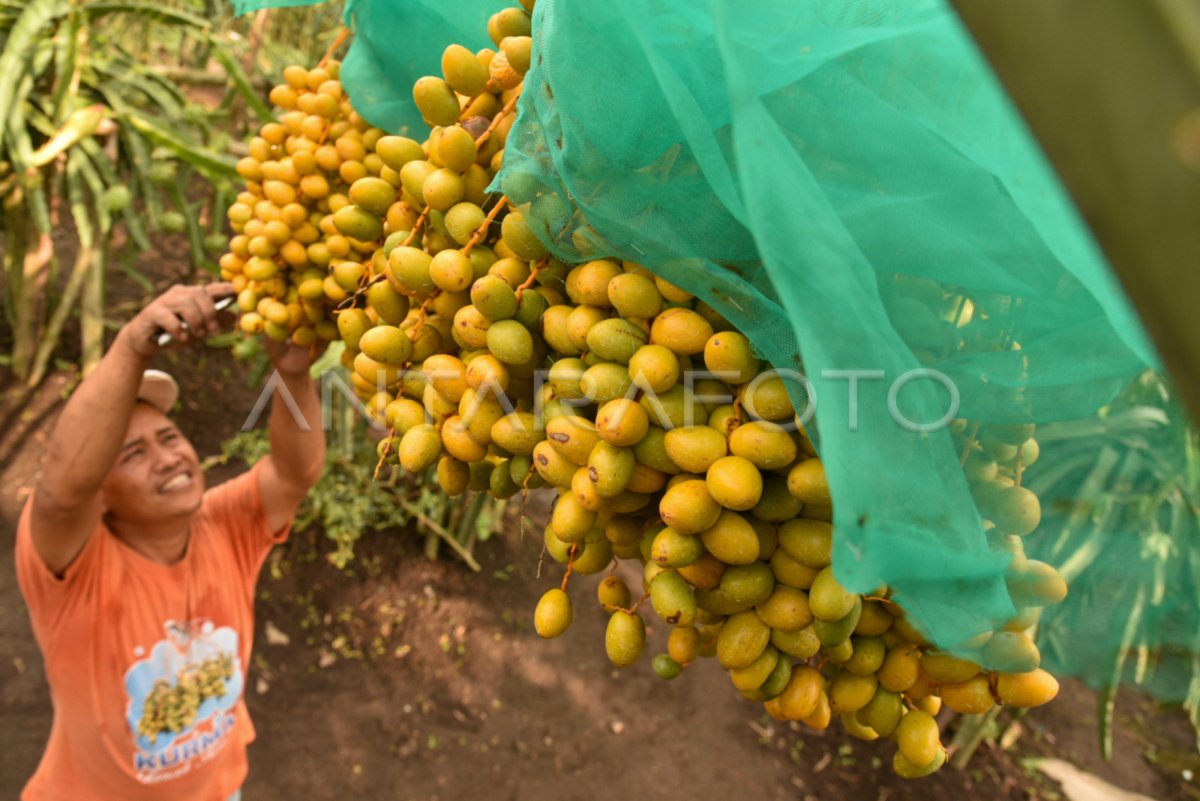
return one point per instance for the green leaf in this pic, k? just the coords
(135, 275)
(330, 359)
(1192, 702)
(124, 77)
(16, 230)
(154, 11)
(1138, 418)
(1047, 477)
(1100, 534)
(87, 259)
(95, 186)
(1088, 496)
(20, 45)
(77, 201)
(66, 61)
(91, 312)
(39, 120)
(1107, 703)
(16, 130)
(204, 160)
(195, 236)
(139, 155)
(81, 124)
(1141, 670)
(43, 57)
(222, 198)
(163, 83)
(39, 205)
(240, 80)
(1191, 447)
(1109, 699)
(133, 222)
(129, 62)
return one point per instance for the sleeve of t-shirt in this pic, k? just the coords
(236, 509)
(50, 596)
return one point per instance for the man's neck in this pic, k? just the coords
(165, 542)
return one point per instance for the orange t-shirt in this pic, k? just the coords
(147, 662)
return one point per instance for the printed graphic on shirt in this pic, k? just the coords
(182, 698)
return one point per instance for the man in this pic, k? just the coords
(140, 584)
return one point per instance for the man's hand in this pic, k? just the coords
(291, 359)
(170, 311)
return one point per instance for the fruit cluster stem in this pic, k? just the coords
(633, 609)
(338, 41)
(387, 451)
(482, 230)
(422, 312)
(962, 460)
(367, 283)
(499, 118)
(570, 566)
(533, 274)
(408, 240)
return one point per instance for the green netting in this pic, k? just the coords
(395, 43)
(848, 184)
(839, 176)
(1122, 493)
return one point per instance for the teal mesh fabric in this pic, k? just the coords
(1122, 494)
(394, 44)
(849, 185)
(398, 42)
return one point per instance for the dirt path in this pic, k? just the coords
(481, 707)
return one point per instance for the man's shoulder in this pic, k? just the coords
(47, 592)
(235, 509)
(240, 488)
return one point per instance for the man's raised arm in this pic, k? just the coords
(297, 456)
(89, 433)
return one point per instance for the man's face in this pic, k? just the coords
(157, 475)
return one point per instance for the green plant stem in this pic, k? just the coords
(91, 313)
(498, 512)
(431, 537)
(970, 736)
(28, 324)
(441, 532)
(191, 77)
(253, 43)
(16, 230)
(88, 260)
(466, 527)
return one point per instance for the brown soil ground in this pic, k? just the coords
(404, 678)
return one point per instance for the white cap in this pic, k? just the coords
(158, 389)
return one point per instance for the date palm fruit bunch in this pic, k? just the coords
(708, 482)
(713, 486)
(500, 369)
(405, 306)
(299, 173)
